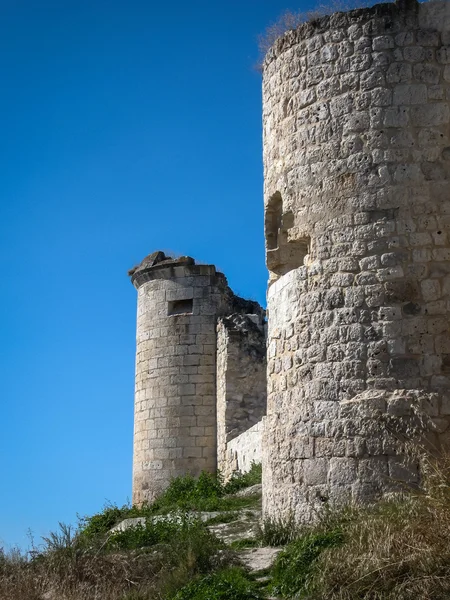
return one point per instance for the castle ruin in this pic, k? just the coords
(186, 316)
(356, 125)
(357, 212)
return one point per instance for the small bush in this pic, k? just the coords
(240, 481)
(150, 534)
(207, 493)
(229, 584)
(189, 493)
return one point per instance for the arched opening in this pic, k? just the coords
(285, 251)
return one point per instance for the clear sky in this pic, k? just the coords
(127, 126)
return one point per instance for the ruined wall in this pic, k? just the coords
(244, 450)
(357, 216)
(241, 387)
(175, 429)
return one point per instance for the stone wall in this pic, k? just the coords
(175, 429)
(241, 383)
(244, 450)
(357, 217)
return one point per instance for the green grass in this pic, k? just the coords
(177, 529)
(245, 543)
(240, 481)
(279, 532)
(230, 584)
(294, 568)
(394, 550)
(206, 493)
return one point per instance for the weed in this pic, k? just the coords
(207, 493)
(151, 533)
(278, 532)
(189, 493)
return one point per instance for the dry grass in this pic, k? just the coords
(68, 569)
(397, 550)
(80, 575)
(151, 562)
(290, 20)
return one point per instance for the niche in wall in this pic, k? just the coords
(283, 253)
(180, 307)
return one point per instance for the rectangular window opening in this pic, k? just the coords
(180, 307)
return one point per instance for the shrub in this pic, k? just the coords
(207, 493)
(230, 584)
(176, 530)
(189, 493)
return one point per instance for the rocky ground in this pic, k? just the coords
(238, 529)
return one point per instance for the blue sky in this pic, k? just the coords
(126, 127)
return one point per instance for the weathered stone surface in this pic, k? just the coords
(253, 490)
(259, 559)
(357, 203)
(241, 391)
(171, 517)
(245, 526)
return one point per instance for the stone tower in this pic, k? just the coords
(175, 432)
(357, 218)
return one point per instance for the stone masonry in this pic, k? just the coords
(179, 304)
(357, 217)
(241, 390)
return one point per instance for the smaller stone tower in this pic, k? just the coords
(175, 431)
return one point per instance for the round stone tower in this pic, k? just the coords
(357, 217)
(175, 426)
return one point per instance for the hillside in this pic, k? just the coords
(203, 540)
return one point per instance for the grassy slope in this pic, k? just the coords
(395, 550)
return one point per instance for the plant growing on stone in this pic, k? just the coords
(289, 20)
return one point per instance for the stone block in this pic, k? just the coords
(315, 471)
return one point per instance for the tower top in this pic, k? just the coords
(158, 258)
(157, 265)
